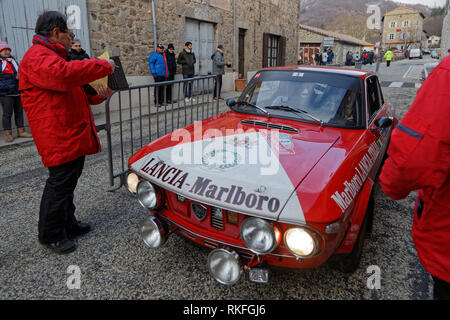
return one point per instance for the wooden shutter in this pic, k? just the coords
(281, 61)
(265, 50)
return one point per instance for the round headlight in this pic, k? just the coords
(152, 232)
(300, 242)
(132, 182)
(147, 195)
(258, 235)
(224, 266)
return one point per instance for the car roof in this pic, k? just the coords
(334, 70)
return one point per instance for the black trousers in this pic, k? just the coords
(218, 86)
(441, 290)
(57, 212)
(169, 89)
(159, 91)
(388, 63)
(11, 104)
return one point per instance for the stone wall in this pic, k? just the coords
(128, 24)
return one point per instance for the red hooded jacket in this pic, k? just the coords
(419, 159)
(57, 108)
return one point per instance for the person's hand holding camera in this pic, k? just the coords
(103, 92)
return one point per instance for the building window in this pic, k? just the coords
(392, 36)
(393, 24)
(406, 23)
(274, 50)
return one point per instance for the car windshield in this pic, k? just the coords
(334, 99)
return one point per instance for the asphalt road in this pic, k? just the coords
(114, 263)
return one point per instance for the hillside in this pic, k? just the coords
(349, 16)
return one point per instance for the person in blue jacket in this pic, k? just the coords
(160, 72)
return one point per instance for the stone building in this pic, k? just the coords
(314, 40)
(403, 28)
(255, 33)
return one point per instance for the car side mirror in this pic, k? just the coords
(384, 122)
(231, 102)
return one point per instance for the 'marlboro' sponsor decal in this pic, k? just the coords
(231, 184)
(344, 198)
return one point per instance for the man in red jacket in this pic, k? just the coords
(60, 118)
(419, 159)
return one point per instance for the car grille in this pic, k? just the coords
(269, 125)
(217, 218)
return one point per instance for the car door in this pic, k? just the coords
(376, 108)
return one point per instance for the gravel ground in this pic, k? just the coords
(115, 264)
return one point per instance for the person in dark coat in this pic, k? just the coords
(330, 56)
(9, 94)
(187, 60)
(318, 59)
(219, 64)
(172, 66)
(348, 58)
(76, 52)
(371, 57)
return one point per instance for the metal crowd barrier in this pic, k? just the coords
(141, 120)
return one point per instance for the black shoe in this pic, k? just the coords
(78, 230)
(62, 247)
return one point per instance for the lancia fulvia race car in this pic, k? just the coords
(282, 179)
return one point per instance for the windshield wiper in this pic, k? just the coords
(287, 108)
(254, 106)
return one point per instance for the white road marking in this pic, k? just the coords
(407, 72)
(396, 85)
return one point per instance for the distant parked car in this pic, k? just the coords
(435, 54)
(426, 51)
(415, 53)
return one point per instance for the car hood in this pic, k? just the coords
(240, 167)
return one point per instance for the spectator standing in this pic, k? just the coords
(330, 56)
(371, 57)
(365, 57)
(61, 120)
(172, 66)
(187, 60)
(348, 58)
(9, 94)
(419, 159)
(318, 59)
(388, 56)
(76, 52)
(219, 64)
(324, 57)
(157, 62)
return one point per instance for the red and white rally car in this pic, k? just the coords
(285, 178)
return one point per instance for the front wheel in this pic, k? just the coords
(349, 262)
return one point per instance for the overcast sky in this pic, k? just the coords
(430, 3)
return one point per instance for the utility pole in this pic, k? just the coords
(381, 45)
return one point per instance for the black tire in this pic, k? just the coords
(348, 263)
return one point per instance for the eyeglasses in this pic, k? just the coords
(71, 34)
